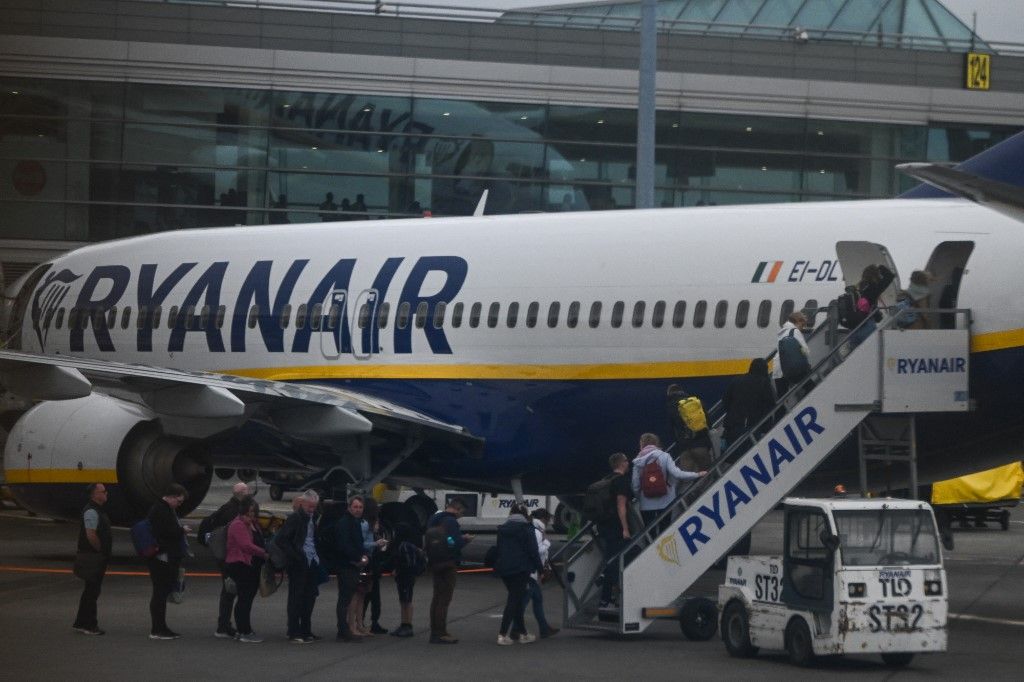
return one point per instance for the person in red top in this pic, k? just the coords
(245, 555)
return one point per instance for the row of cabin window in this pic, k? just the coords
(314, 315)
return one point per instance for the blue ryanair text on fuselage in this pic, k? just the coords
(741, 486)
(193, 289)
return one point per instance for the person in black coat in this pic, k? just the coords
(297, 540)
(350, 559)
(518, 557)
(163, 568)
(747, 400)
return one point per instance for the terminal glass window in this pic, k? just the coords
(893, 537)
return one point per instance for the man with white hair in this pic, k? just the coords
(297, 541)
(222, 517)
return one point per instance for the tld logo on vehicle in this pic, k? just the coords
(768, 272)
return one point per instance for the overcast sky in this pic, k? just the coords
(998, 20)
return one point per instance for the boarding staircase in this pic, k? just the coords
(848, 384)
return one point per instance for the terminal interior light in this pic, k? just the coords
(600, 121)
(750, 129)
(447, 113)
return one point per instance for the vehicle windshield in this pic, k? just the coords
(887, 537)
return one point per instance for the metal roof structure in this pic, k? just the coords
(907, 24)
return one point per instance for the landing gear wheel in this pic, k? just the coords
(736, 631)
(698, 619)
(276, 493)
(798, 643)
(897, 660)
(1004, 519)
(247, 475)
(224, 474)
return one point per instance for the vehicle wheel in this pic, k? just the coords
(798, 642)
(276, 493)
(224, 474)
(736, 631)
(741, 548)
(423, 508)
(1004, 519)
(566, 516)
(698, 619)
(897, 660)
(247, 475)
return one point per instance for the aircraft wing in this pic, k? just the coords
(1000, 196)
(186, 400)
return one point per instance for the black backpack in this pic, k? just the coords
(598, 504)
(792, 357)
(439, 548)
(846, 308)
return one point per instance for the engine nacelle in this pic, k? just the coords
(58, 447)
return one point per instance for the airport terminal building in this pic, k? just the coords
(125, 117)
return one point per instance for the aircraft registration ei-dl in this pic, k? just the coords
(485, 352)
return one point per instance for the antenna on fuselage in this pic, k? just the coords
(479, 210)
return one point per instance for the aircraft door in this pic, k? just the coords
(947, 265)
(855, 256)
(333, 323)
(364, 325)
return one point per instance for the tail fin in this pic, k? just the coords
(1002, 163)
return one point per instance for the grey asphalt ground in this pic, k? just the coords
(986, 575)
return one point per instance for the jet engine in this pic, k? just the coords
(58, 447)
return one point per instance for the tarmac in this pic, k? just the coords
(38, 598)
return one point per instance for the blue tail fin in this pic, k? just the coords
(1003, 163)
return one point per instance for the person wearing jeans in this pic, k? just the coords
(245, 554)
(518, 556)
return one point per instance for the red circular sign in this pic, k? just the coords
(29, 177)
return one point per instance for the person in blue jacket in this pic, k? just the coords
(518, 557)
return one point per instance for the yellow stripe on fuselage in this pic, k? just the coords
(15, 476)
(980, 343)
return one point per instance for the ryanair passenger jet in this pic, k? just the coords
(481, 352)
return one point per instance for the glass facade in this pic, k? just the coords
(88, 161)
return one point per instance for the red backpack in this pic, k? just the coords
(652, 479)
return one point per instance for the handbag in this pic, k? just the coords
(89, 566)
(178, 595)
(270, 580)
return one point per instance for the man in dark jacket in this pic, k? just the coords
(222, 517)
(350, 558)
(94, 543)
(297, 540)
(445, 573)
(613, 530)
(747, 401)
(163, 568)
(518, 556)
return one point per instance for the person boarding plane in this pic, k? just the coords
(487, 352)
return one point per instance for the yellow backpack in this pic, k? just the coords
(691, 411)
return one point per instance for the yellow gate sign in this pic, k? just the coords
(979, 70)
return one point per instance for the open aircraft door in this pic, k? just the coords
(855, 256)
(947, 265)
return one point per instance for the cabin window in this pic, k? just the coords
(286, 315)
(73, 318)
(595, 314)
(421, 314)
(700, 311)
(157, 314)
(457, 315)
(218, 321)
(617, 310)
(254, 316)
(189, 314)
(363, 318)
(439, 314)
(402, 320)
(742, 312)
(785, 311)
(474, 315)
(204, 317)
(300, 316)
(764, 313)
(531, 314)
(721, 313)
(382, 315)
(60, 318)
(493, 312)
(638, 313)
(112, 317)
(572, 317)
(553, 312)
(126, 317)
(658, 315)
(678, 314)
(172, 317)
(811, 311)
(513, 315)
(333, 316)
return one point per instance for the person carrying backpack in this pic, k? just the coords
(613, 528)
(693, 441)
(443, 543)
(654, 479)
(792, 362)
(518, 556)
(409, 563)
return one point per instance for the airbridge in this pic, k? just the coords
(849, 386)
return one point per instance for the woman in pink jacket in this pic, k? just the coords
(245, 554)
